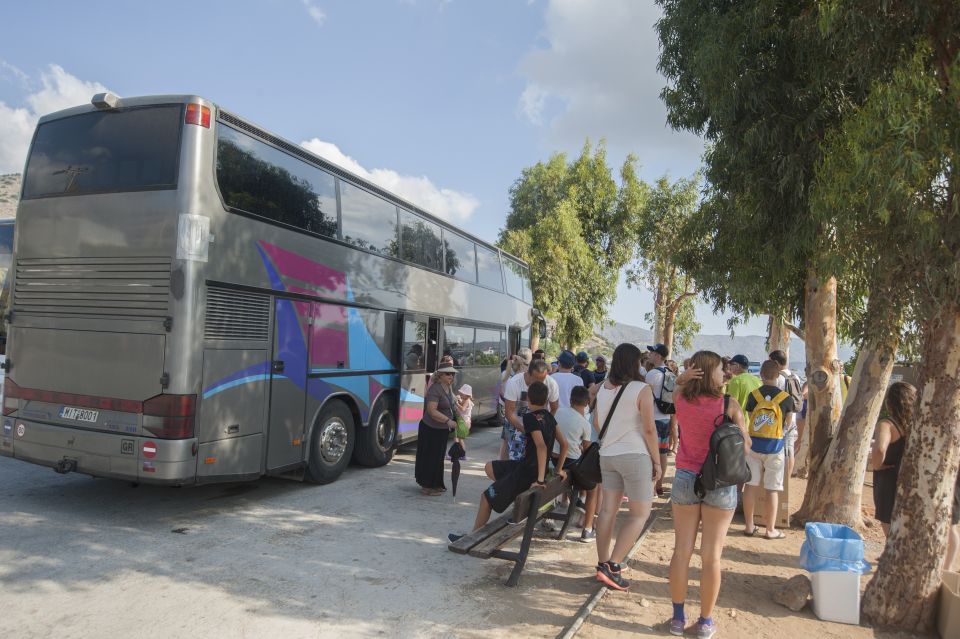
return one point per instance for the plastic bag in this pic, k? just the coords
(833, 547)
(462, 429)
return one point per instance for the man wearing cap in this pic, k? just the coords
(666, 425)
(743, 382)
(582, 368)
(565, 378)
(600, 373)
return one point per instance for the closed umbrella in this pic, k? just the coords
(456, 452)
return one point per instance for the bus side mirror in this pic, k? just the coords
(542, 328)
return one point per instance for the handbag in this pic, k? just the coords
(586, 472)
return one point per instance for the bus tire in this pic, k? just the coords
(331, 443)
(376, 443)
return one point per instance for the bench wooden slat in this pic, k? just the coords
(463, 545)
(554, 488)
(487, 547)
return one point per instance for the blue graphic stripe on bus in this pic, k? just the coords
(275, 280)
(254, 373)
(407, 396)
(213, 390)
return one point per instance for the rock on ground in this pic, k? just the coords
(795, 593)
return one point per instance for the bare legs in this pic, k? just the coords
(629, 531)
(590, 507)
(749, 505)
(750, 494)
(953, 546)
(715, 525)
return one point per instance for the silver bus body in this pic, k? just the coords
(192, 329)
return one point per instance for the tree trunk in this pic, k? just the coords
(778, 336)
(834, 493)
(801, 456)
(904, 591)
(669, 321)
(823, 373)
(659, 309)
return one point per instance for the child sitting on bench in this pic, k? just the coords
(513, 477)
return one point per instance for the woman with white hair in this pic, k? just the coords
(439, 418)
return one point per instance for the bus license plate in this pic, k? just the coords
(79, 414)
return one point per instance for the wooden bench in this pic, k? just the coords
(536, 504)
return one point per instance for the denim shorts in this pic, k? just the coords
(683, 494)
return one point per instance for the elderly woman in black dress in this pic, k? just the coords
(439, 418)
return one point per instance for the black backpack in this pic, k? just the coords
(791, 384)
(726, 463)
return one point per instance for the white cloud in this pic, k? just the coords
(59, 90)
(596, 76)
(453, 206)
(315, 12)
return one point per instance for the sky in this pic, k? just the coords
(442, 101)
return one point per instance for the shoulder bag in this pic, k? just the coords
(586, 472)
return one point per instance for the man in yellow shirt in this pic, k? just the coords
(743, 382)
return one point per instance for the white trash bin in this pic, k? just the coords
(836, 595)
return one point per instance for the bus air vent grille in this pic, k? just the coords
(106, 287)
(237, 315)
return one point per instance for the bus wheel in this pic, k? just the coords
(331, 443)
(376, 442)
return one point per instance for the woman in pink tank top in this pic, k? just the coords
(699, 403)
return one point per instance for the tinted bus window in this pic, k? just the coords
(525, 281)
(420, 241)
(458, 343)
(414, 338)
(461, 257)
(129, 150)
(368, 222)
(514, 277)
(489, 348)
(259, 179)
(488, 268)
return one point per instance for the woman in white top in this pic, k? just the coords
(625, 460)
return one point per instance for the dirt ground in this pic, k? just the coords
(753, 568)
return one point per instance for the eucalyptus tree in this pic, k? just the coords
(576, 228)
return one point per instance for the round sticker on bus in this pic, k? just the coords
(149, 450)
(21, 429)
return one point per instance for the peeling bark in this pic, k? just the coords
(778, 335)
(823, 373)
(904, 592)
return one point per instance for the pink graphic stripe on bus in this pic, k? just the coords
(290, 265)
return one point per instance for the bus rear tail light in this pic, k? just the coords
(170, 416)
(14, 392)
(11, 397)
(198, 114)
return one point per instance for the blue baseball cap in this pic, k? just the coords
(566, 359)
(583, 357)
(740, 359)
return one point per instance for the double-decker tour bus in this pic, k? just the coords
(196, 299)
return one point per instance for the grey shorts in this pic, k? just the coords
(682, 492)
(631, 473)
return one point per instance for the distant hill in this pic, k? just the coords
(753, 346)
(9, 194)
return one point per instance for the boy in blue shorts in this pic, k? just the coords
(512, 477)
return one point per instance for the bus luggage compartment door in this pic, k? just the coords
(232, 412)
(288, 381)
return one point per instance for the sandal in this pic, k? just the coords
(752, 533)
(431, 492)
(779, 535)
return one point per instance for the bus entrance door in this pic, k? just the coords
(419, 342)
(288, 382)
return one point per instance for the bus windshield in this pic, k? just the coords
(105, 151)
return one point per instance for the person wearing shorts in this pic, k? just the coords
(766, 459)
(700, 402)
(626, 465)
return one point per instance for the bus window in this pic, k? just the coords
(420, 241)
(124, 150)
(414, 340)
(514, 277)
(461, 257)
(525, 281)
(458, 343)
(489, 349)
(368, 222)
(488, 268)
(257, 178)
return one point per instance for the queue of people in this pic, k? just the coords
(640, 410)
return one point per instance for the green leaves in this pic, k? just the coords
(576, 229)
